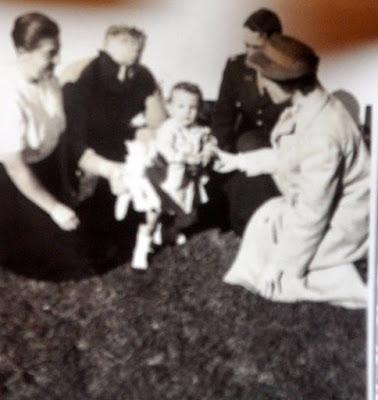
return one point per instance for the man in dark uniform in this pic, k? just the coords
(244, 117)
(100, 106)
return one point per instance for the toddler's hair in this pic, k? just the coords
(189, 88)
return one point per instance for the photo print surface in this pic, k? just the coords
(185, 196)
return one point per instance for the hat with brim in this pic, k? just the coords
(284, 58)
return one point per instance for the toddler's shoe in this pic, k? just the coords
(181, 239)
(157, 237)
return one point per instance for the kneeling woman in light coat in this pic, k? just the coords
(302, 246)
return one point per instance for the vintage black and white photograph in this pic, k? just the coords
(186, 203)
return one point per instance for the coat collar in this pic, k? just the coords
(301, 114)
(309, 106)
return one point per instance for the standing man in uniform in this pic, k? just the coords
(243, 118)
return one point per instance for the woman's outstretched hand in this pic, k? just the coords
(225, 162)
(64, 217)
(252, 163)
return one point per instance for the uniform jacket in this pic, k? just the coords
(320, 164)
(240, 106)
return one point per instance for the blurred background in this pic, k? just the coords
(191, 40)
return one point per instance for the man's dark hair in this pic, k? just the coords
(188, 87)
(264, 21)
(29, 29)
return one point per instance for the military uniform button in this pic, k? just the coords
(259, 122)
(259, 111)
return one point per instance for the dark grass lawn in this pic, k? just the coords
(176, 332)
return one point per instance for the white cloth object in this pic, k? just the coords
(139, 191)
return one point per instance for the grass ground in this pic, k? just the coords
(176, 332)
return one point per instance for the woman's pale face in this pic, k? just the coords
(123, 49)
(40, 62)
(275, 91)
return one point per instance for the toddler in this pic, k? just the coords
(187, 149)
(182, 149)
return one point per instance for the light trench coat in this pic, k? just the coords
(319, 226)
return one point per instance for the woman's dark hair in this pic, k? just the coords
(189, 88)
(306, 84)
(29, 29)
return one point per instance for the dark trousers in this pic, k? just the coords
(246, 194)
(107, 240)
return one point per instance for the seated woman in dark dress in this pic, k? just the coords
(37, 230)
(100, 105)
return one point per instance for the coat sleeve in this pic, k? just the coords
(258, 162)
(225, 111)
(307, 211)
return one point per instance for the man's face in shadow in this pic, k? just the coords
(253, 41)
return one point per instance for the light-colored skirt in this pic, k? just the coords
(338, 283)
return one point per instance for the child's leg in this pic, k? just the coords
(143, 241)
(154, 226)
(184, 225)
(176, 226)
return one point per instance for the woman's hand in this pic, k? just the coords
(252, 163)
(64, 217)
(28, 184)
(225, 162)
